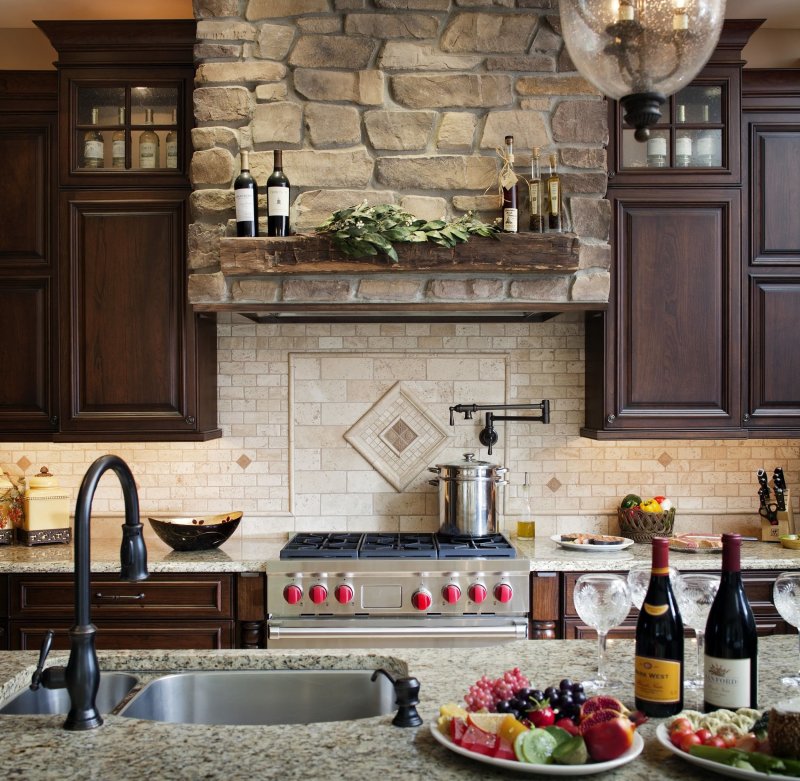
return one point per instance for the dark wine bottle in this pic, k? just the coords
(658, 683)
(245, 191)
(731, 653)
(278, 199)
(510, 207)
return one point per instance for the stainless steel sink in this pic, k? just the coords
(112, 690)
(263, 697)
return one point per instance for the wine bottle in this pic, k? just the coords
(93, 147)
(731, 653)
(536, 219)
(277, 199)
(510, 208)
(118, 142)
(245, 191)
(149, 155)
(658, 684)
(172, 142)
(554, 197)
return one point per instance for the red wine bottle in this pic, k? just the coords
(245, 191)
(510, 207)
(731, 652)
(658, 683)
(278, 199)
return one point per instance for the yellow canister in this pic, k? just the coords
(46, 504)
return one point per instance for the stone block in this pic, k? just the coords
(255, 290)
(216, 51)
(239, 72)
(405, 55)
(583, 157)
(543, 288)
(584, 184)
(399, 130)
(591, 217)
(266, 93)
(485, 32)
(321, 24)
(295, 289)
(212, 167)
(456, 131)
(527, 127)
(581, 121)
(211, 205)
(425, 207)
(278, 9)
(554, 85)
(535, 62)
(274, 41)
(209, 137)
(392, 25)
(332, 51)
(207, 288)
(591, 286)
(313, 207)
(464, 90)
(203, 245)
(465, 289)
(478, 203)
(594, 256)
(203, 9)
(440, 172)
(363, 87)
(330, 125)
(222, 104)
(280, 122)
(389, 289)
(346, 168)
(233, 30)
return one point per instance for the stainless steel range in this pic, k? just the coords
(344, 590)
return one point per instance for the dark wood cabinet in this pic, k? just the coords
(165, 611)
(28, 268)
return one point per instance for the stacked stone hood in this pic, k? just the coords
(392, 101)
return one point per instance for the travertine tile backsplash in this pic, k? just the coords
(289, 395)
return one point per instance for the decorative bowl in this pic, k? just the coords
(200, 533)
(791, 541)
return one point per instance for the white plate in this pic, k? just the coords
(545, 770)
(585, 546)
(731, 772)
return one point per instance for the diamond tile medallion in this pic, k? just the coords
(398, 436)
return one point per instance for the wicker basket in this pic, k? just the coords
(641, 526)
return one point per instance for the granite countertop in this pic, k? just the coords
(36, 747)
(244, 553)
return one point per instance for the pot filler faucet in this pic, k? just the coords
(488, 435)
(81, 676)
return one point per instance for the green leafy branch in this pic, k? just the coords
(365, 230)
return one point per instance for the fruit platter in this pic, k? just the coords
(557, 730)
(745, 743)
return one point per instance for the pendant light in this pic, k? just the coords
(640, 51)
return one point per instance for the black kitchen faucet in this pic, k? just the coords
(488, 435)
(81, 676)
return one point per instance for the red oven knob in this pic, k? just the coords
(344, 594)
(318, 594)
(503, 592)
(477, 592)
(292, 594)
(451, 593)
(421, 599)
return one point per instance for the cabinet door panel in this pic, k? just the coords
(677, 310)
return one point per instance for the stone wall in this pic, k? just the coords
(401, 101)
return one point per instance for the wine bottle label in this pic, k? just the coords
(93, 150)
(658, 680)
(278, 201)
(245, 208)
(510, 220)
(535, 207)
(172, 154)
(727, 682)
(147, 154)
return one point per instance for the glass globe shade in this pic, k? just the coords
(640, 47)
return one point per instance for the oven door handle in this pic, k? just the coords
(510, 631)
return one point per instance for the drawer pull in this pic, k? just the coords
(119, 597)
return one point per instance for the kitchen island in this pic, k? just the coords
(36, 748)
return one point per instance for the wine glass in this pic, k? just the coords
(602, 601)
(639, 580)
(786, 595)
(695, 592)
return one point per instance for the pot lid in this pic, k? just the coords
(470, 468)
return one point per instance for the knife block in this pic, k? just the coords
(773, 532)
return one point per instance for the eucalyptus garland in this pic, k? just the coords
(365, 230)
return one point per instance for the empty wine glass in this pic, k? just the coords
(786, 595)
(695, 592)
(602, 601)
(639, 580)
